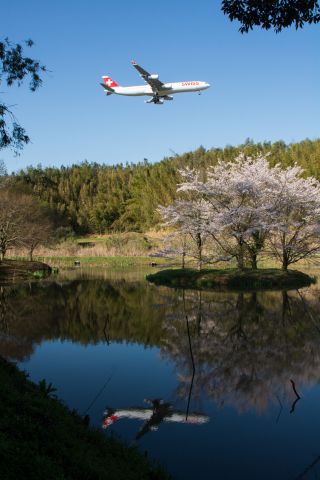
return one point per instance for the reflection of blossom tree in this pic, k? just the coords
(246, 346)
(249, 347)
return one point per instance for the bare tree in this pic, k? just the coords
(38, 227)
(23, 222)
(11, 221)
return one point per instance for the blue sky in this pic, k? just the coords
(263, 85)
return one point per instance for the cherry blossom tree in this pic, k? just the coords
(239, 199)
(295, 223)
(246, 205)
(190, 219)
(175, 244)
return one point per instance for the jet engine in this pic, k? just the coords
(156, 100)
(154, 76)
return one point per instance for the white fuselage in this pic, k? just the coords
(168, 89)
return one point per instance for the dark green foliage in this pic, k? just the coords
(94, 198)
(231, 279)
(46, 388)
(41, 439)
(14, 67)
(268, 14)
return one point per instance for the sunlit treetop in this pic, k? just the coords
(269, 14)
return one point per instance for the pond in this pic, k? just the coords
(210, 384)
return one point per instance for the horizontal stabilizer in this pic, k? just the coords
(109, 89)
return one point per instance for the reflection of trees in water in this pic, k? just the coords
(81, 311)
(19, 308)
(246, 347)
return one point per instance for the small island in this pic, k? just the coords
(231, 279)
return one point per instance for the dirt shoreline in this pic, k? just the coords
(12, 270)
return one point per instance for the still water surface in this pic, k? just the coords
(207, 383)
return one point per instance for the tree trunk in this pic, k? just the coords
(183, 259)
(253, 261)
(240, 256)
(285, 259)
(258, 243)
(199, 245)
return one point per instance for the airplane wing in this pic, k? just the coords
(152, 80)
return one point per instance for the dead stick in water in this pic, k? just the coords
(297, 395)
(294, 389)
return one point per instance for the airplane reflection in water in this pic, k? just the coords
(159, 412)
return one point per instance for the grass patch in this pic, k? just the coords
(112, 262)
(129, 241)
(231, 279)
(125, 244)
(41, 438)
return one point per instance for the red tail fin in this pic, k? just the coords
(109, 82)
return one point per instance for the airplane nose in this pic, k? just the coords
(207, 85)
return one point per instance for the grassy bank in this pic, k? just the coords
(111, 262)
(129, 244)
(233, 279)
(68, 262)
(111, 251)
(41, 439)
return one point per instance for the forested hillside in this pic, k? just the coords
(94, 198)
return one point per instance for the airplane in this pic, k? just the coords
(155, 88)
